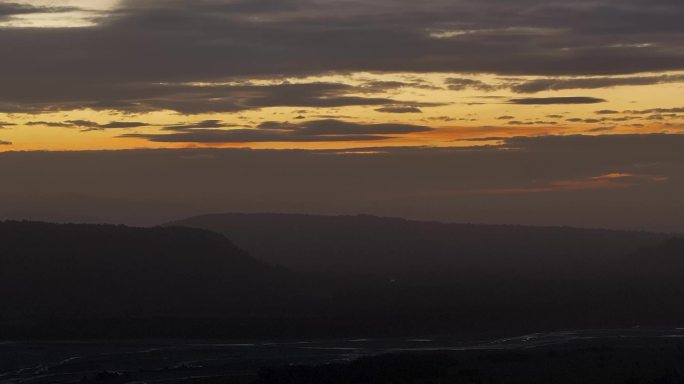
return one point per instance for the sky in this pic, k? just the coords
(524, 112)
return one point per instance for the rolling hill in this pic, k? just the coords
(397, 249)
(102, 281)
(104, 270)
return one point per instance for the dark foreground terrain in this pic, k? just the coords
(629, 361)
(632, 356)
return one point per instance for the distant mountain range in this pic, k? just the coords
(400, 249)
(342, 276)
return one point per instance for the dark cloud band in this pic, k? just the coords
(145, 44)
(329, 130)
(556, 100)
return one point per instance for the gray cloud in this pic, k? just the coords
(460, 84)
(329, 130)
(554, 84)
(208, 136)
(190, 99)
(9, 10)
(601, 129)
(338, 127)
(399, 109)
(580, 120)
(211, 124)
(556, 100)
(157, 42)
(532, 122)
(112, 125)
(54, 124)
(519, 85)
(89, 125)
(655, 110)
(378, 86)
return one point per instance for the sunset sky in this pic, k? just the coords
(580, 79)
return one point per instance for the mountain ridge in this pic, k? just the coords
(391, 248)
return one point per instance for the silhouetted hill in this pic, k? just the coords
(95, 281)
(101, 270)
(663, 260)
(424, 251)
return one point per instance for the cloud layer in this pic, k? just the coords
(145, 55)
(329, 130)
